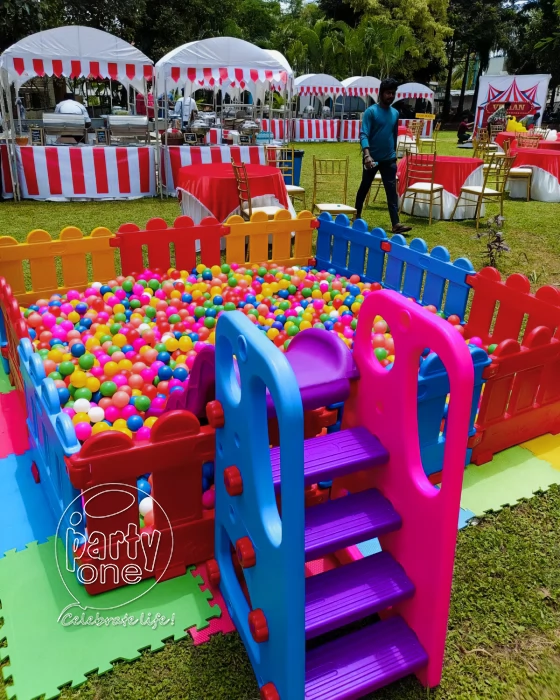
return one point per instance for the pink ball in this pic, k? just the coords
(158, 402)
(475, 340)
(120, 399)
(148, 375)
(112, 413)
(128, 411)
(69, 412)
(83, 431)
(120, 380)
(346, 320)
(138, 343)
(143, 433)
(49, 320)
(348, 332)
(209, 499)
(380, 327)
(72, 294)
(138, 289)
(66, 308)
(378, 340)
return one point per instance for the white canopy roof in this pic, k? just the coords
(318, 84)
(414, 90)
(75, 52)
(362, 85)
(222, 60)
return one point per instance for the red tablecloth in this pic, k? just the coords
(506, 136)
(548, 160)
(404, 131)
(451, 172)
(550, 145)
(214, 186)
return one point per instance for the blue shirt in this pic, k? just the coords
(379, 131)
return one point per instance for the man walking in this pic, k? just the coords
(378, 138)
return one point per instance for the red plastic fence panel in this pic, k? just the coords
(12, 329)
(157, 236)
(521, 398)
(107, 468)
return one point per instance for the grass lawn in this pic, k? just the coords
(504, 628)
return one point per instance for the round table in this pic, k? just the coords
(453, 172)
(211, 190)
(512, 136)
(545, 184)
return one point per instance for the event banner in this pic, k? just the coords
(526, 95)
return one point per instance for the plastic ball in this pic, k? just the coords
(146, 505)
(82, 406)
(134, 423)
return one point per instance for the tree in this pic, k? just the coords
(255, 21)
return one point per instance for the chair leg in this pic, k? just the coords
(502, 204)
(455, 207)
(431, 205)
(376, 192)
(413, 204)
(529, 187)
(477, 211)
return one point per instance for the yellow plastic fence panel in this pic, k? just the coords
(11, 267)
(102, 255)
(41, 261)
(284, 232)
(43, 252)
(74, 265)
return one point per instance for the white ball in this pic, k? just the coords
(333, 314)
(82, 406)
(143, 327)
(96, 414)
(96, 285)
(146, 505)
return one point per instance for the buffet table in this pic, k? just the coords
(545, 183)
(211, 190)
(7, 188)
(86, 172)
(173, 158)
(453, 173)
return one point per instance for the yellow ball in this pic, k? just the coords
(119, 339)
(74, 316)
(55, 355)
(200, 267)
(119, 309)
(100, 428)
(125, 364)
(272, 333)
(80, 418)
(78, 379)
(316, 294)
(171, 344)
(304, 325)
(92, 343)
(356, 307)
(111, 368)
(149, 422)
(93, 384)
(185, 343)
(136, 392)
(211, 338)
(119, 424)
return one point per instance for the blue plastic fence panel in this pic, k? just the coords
(276, 582)
(433, 388)
(51, 435)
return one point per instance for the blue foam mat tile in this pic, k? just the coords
(25, 515)
(465, 516)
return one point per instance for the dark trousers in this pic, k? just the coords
(388, 172)
(464, 137)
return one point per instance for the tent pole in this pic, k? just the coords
(12, 153)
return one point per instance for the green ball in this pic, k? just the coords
(292, 330)
(229, 306)
(199, 312)
(441, 314)
(156, 381)
(209, 322)
(105, 338)
(86, 361)
(262, 271)
(83, 393)
(142, 403)
(108, 388)
(287, 343)
(121, 318)
(72, 390)
(319, 325)
(206, 295)
(284, 305)
(115, 328)
(207, 304)
(225, 268)
(292, 289)
(232, 282)
(174, 318)
(306, 292)
(324, 317)
(160, 347)
(135, 304)
(127, 285)
(150, 312)
(172, 364)
(254, 313)
(492, 348)
(44, 353)
(55, 376)
(153, 284)
(380, 353)
(143, 283)
(66, 368)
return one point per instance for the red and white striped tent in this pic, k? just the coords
(75, 52)
(414, 91)
(220, 62)
(362, 86)
(318, 84)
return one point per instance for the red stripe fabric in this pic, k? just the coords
(196, 155)
(223, 74)
(19, 65)
(130, 70)
(191, 74)
(238, 74)
(175, 73)
(77, 168)
(255, 75)
(94, 70)
(207, 73)
(113, 70)
(29, 170)
(175, 162)
(235, 154)
(254, 156)
(57, 67)
(216, 155)
(38, 66)
(148, 72)
(75, 69)
(53, 170)
(6, 176)
(123, 171)
(144, 167)
(100, 167)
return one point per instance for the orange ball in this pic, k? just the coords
(121, 399)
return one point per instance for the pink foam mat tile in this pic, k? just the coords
(223, 624)
(13, 429)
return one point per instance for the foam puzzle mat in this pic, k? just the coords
(46, 651)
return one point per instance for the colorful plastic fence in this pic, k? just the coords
(428, 277)
(521, 399)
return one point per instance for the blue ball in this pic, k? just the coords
(96, 396)
(329, 325)
(78, 349)
(284, 294)
(176, 388)
(165, 373)
(34, 307)
(127, 348)
(349, 300)
(104, 289)
(205, 484)
(81, 308)
(177, 334)
(207, 275)
(63, 395)
(180, 373)
(32, 333)
(277, 325)
(325, 484)
(134, 423)
(211, 313)
(144, 488)
(250, 299)
(281, 319)
(208, 470)
(187, 298)
(218, 300)
(86, 322)
(194, 337)
(164, 357)
(55, 341)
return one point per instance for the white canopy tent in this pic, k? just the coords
(318, 84)
(362, 86)
(70, 52)
(414, 90)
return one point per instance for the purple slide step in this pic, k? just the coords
(349, 520)
(347, 594)
(334, 455)
(360, 662)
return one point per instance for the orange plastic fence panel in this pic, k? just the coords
(235, 242)
(11, 270)
(102, 255)
(42, 261)
(74, 265)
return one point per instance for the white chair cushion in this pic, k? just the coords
(294, 189)
(493, 166)
(427, 140)
(338, 208)
(521, 172)
(478, 189)
(269, 211)
(425, 187)
(378, 176)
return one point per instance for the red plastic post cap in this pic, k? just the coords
(215, 414)
(213, 570)
(258, 626)
(245, 552)
(233, 481)
(269, 692)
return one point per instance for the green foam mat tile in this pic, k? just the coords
(45, 654)
(511, 476)
(5, 386)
